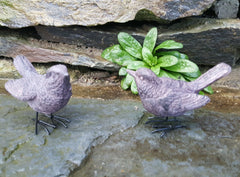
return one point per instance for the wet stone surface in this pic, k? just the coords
(93, 121)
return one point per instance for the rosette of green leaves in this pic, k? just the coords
(163, 59)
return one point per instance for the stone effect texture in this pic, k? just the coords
(16, 14)
(226, 8)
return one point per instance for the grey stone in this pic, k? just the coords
(226, 8)
(208, 147)
(206, 41)
(14, 44)
(16, 14)
(93, 121)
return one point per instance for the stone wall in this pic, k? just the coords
(76, 32)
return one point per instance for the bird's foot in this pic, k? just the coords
(42, 124)
(165, 129)
(160, 120)
(60, 120)
(164, 125)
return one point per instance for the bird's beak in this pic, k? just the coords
(131, 72)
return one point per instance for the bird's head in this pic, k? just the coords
(58, 73)
(144, 78)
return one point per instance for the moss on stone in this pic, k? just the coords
(147, 15)
(6, 3)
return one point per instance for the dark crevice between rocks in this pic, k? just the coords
(26, 32)
(209, 13)
(237, 56)
(238, 15)
(5, 58)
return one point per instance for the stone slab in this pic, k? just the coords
(209, 146)
(14, 43)
(93, 121)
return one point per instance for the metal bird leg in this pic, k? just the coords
(163, 125)
(43, 124)
(169, 128)
(60, 120)
(160, 120)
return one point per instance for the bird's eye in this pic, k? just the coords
(141, 78)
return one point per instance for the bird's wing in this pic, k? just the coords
(21, 89)
(182, 102)
(24, 66)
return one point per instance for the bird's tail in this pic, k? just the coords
(23, 65)
(212, 75)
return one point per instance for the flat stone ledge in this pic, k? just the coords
(93, 121)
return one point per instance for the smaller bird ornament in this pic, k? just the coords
(166, 97)
(45, 94)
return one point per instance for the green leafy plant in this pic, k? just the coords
(163, 59)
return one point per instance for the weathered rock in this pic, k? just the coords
(16, 14)
(7, 69)
(12, 44)
(206, 41)
(226, 8)
(208, 147)
(92, 122)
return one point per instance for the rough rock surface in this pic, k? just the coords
(208, 147)
(13, 43)
(226, 8)
(92, 123)
(206, 41)
(109, 138)
(24, 13)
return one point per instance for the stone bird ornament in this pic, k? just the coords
(45, 94)
(166, 97)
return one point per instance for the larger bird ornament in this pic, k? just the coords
(45, 94)
(166, 97)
